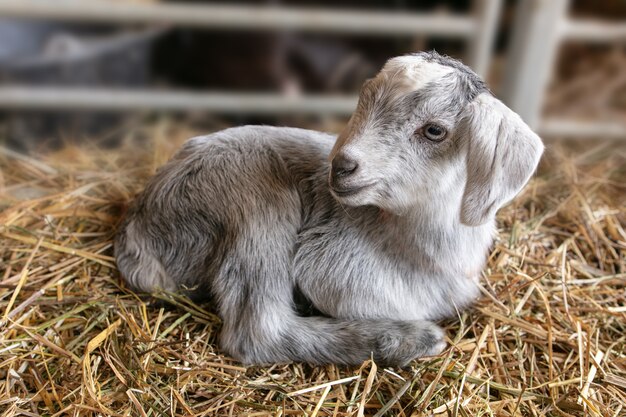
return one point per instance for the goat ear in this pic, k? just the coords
(503, 152)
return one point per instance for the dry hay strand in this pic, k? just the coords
(546, 339)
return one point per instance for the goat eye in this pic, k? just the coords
(434, 132)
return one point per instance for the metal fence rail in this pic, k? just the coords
(477, 29)
(593, 31)
(541, 26)
(61, 98)
(240, 17)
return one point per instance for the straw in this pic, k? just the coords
(547, 338)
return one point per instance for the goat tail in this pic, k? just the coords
(137, 264)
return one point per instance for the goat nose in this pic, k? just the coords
(343, 165)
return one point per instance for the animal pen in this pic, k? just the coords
(547, 337)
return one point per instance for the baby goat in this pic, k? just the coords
(381, 234)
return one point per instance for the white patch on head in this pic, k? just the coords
(416, 71)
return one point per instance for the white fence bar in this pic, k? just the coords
(540, 28)
(535, 41)
(46, 98)
(576, 129)
(56, 98)
(594, 31)
(487, 14)
(243, 16)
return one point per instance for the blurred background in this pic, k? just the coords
(73, 71)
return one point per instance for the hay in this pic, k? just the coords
(547, 339)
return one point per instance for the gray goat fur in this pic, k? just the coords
(260, 218)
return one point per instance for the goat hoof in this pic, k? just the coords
(402, 343)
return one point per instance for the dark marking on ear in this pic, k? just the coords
(474, 84)
(469, 82)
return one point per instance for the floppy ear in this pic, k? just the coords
(503, 152)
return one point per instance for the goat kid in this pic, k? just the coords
(262, 218)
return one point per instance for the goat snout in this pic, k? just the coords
(346, 181)
(343, 165)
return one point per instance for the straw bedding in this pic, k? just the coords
(548, 337)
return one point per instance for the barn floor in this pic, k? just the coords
(548, 337)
